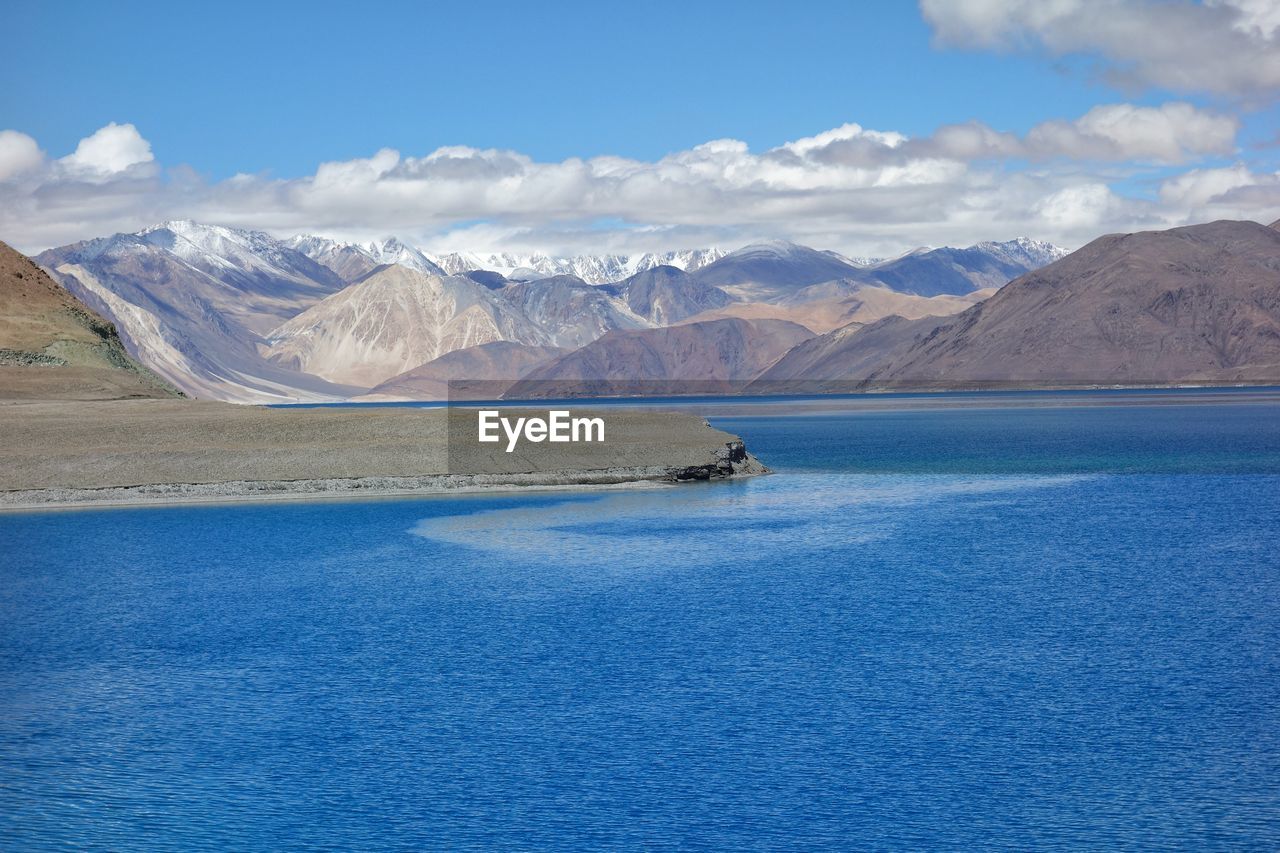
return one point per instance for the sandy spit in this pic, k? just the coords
(138, 452)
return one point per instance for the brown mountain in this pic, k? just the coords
(833, 304)
(393, 320)
(711, 357)
(477, 373)
(1193, 304)
(53, 347)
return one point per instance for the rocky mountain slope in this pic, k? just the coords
(664, 295)
(192, 302)
(765, 271)
(712, 357)
(768, 272)
(1193, 304)
(570, 312)
(481, 372)
(52, 346)
(934, 272)
(830, 305)
(395, 319)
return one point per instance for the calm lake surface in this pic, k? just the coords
(1017, 624)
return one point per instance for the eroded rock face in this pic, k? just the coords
(732, 460)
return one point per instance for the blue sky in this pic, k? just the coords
(283, 87)
(276, 89)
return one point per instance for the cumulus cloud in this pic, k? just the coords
(1169, 134)
(111, 150)
(1224, 47)
(850, 188)
(1172, 133)
(1217, 193)
(1081, 207)
(19, 154)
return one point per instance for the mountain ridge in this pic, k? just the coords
(710, 357)
(215, 309)
(196, 317)
(1199, 303)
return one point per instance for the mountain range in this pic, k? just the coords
(195, 303)
(353, 260)
(241, 316)
(1197, 304)
(593, 269)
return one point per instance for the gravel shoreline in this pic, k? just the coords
(136, 453)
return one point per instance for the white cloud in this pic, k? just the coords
(1168, 134)
(1224, 47)
(1259, 18)
(1217, 193)
(19, 154)
(1172, 133)
(850, 188)
(110, 150)
(1084, 207)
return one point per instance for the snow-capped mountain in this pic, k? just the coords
(229, 252)
(355, 260)
(689, 260)
(192, 302)
(238, 315)
(856, 260)
(1026, 252)
(774, 267)
(933, 272)
(593, 269)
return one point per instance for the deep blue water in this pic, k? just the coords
(1053, 627)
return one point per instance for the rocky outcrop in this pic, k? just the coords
(732, 460)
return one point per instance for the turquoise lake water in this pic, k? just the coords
(1016, 625)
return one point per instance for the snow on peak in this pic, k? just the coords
(593, 269)
(1025, 251)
